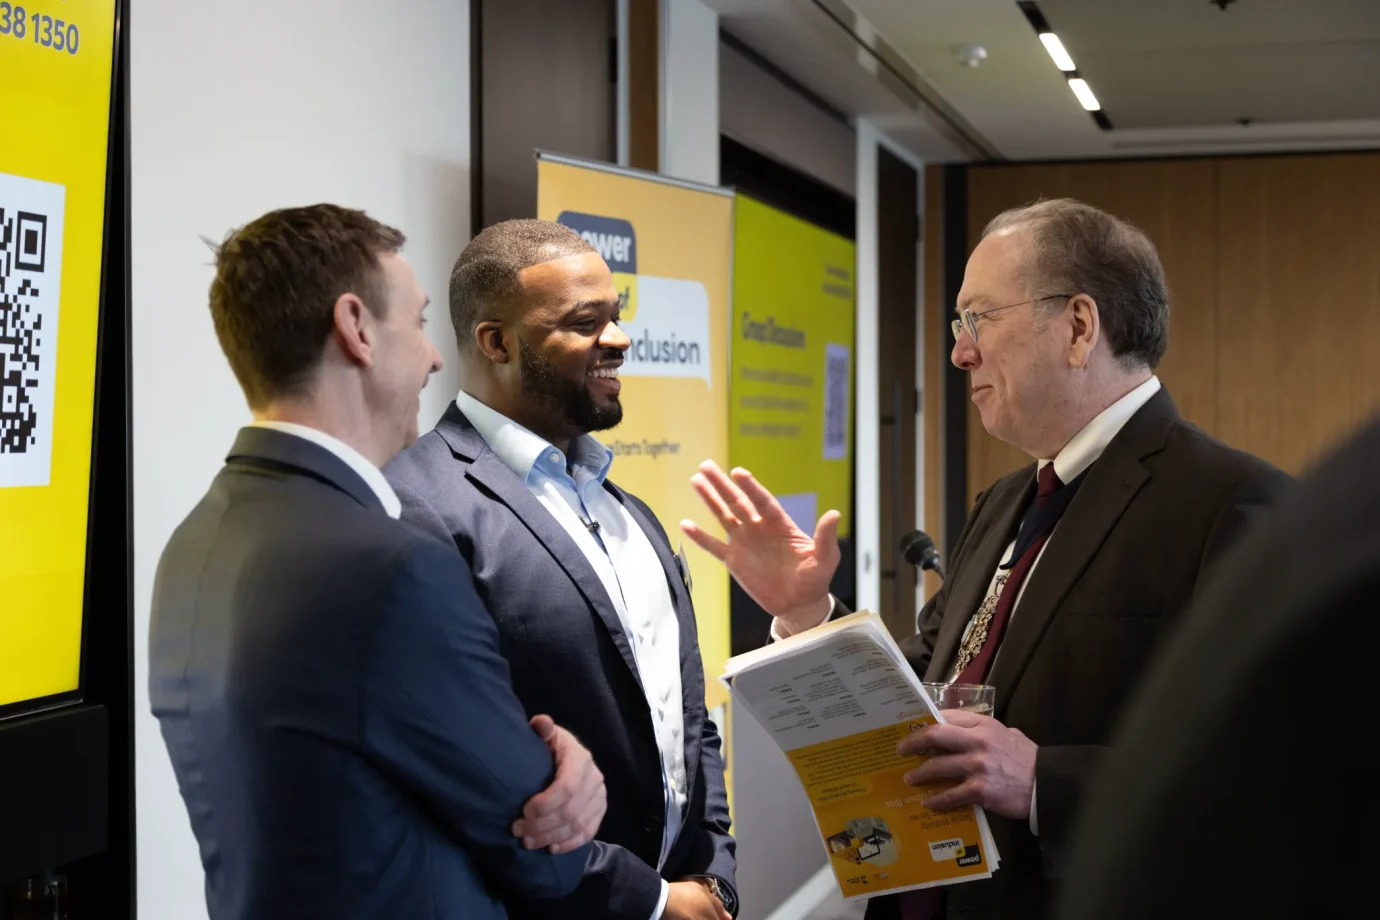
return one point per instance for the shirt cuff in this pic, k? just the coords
(665, 893)
(777, 637)
(1034, 821)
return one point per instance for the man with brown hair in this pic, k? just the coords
(328, 684)
(591, 602)
(1068, 573)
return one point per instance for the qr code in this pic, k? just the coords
(835, 401)
(31, 215)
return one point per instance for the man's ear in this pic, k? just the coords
(354, 329)
(488, 338)
(1085, 329)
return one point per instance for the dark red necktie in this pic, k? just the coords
(927, 903)
(976, 671)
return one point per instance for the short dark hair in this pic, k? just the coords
(485, 278)
(1080, 249)
(277, 281)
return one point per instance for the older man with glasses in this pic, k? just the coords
(1069, 572)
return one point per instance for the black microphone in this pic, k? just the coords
(918, 549)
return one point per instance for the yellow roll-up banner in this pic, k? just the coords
(793, 332)
(55, 70)
(669, 246)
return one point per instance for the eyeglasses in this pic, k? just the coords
(967, 319)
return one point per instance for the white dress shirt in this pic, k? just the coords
(1078, 454)
(352, 458)
(572, 490)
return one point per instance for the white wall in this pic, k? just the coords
(239, 108)
(757, 109)
(867, 435)
(689, 91)
(867, 522)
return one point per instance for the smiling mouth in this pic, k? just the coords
(605, 373)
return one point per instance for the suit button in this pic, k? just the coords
(653, 825)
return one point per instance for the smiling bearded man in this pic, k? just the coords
(592, 609)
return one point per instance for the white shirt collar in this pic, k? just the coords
(1086, 446)
(522, 450)
(352, 458)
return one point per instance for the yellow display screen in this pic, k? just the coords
(56, 69)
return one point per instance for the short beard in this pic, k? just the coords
(573, 404)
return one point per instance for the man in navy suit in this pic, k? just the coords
(328, 684)
(593, 608)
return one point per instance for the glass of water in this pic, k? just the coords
(978, 698)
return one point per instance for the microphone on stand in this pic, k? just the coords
(918, 549)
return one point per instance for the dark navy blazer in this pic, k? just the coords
(571, 659)
(339, 717)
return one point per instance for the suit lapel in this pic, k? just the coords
(494, 477)
(968, 592)
(1113, 480)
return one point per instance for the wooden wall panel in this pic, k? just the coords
(644, 84)
(1175, 203)
(542, 80)
(1299, 302)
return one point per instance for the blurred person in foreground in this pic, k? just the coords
(1069, 572)
(592, 604)
(1230, 790)
(327, 682)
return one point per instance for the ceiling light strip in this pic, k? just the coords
(1064, 61)
(1057, 52)
(1084, 92)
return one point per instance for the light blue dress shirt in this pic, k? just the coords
(572, 490)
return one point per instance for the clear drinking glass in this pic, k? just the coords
(978, 698)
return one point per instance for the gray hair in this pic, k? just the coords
(1079, 249)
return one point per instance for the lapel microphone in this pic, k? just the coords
(592, 526)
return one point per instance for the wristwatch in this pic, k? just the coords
(722, 892)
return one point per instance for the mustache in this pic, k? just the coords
(610, 354)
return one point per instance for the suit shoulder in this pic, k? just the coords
(418, 557)
(413, 465)
(1216, 463)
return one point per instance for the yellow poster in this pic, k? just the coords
(790, 422)
(668, 245)
(55, 67)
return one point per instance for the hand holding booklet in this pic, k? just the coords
(837, 700)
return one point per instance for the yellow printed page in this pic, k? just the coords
(837, 702)
(879, 835)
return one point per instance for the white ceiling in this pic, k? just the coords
(1174, 76)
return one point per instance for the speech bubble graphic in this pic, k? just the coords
(667, 320)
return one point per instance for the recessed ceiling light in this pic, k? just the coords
(1057, 52)
(1085, 94)
(970, 55)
